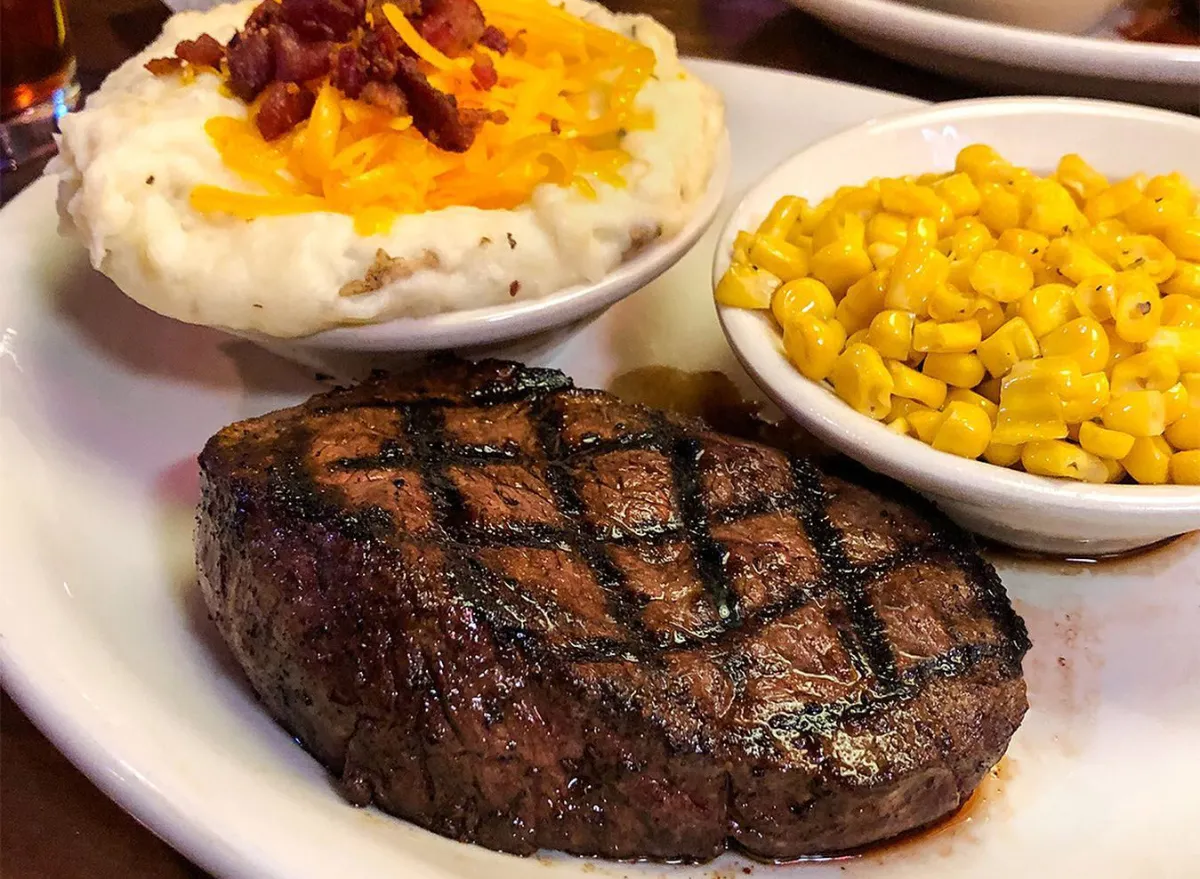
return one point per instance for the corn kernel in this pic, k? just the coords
(1096, 297)
(812, 344)
(1048, 307)
(1083, 340)
(860, 377)
(947, 338)
(1184, 434)
(840, 226)
(741, 247)
(903, 407)
(862, 201)
(1080, 178)
(885, 228)
(1138, 413)
(1028, 412)
(1052, 210)
(1116, 473)
(1154, 216)
(1075, 260)
(783, 216)
(891, 333)
(811, 216)
(926, 423)
(1177, 402)
(962, 395)
(840, 265)
(1013, 342)
(1064, 460)
(1103, 442)
(1118, 348)
(1105, 239)
(1058, 375)
(744, 286)
(1174, 186)
(948, 303)
(1029, 245)
(1087, 397)
(990, 389)
(965, 431)
(983, 164)
(1114, 200)
(882, 255)
(901, 426)
(783, 260)
(1186, 280)
(1138, 312)
(1184, 239)
(1185, 468)
(1152, 370)
(923, 231)
(1002, 454)
(1147, 253)
(862, 302)
(969, 240)
(858, 337)
(1002, 276)
(960, 370)
(960, 193)
(1149, 461)
(990, 314)
(999, 208)
(916, 273)
(802, 296)
(909, 383)
(911, 200)
(1182, 343)
(1191, 381)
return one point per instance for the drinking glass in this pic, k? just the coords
(37, 78)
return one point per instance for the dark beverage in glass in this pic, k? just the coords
(37, 77)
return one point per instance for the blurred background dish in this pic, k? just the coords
(1064, 16)
(1098, 64)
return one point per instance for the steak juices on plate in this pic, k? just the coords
(527, 615)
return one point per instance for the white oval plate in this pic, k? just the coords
(105, 643)
(1048, 515)
(1099, 64)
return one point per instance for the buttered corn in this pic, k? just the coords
(1049, 323)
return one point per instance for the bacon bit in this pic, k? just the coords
(484, 72)
(493, 38)
(322, 19)
(296, 61)
(451, 26)
(435, 114)
(283, 106)
(203, 51)
(514, 288)
(387, 270)
(251, 63)
(385, 96)
(164, 66)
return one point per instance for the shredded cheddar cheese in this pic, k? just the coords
(567, 89)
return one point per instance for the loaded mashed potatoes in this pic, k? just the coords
(289, 167)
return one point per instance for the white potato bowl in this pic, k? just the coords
(1020, 509)
(527, 325)
(1064, 16)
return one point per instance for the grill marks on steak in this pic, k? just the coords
(580, 624)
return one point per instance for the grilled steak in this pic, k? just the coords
(527, 615)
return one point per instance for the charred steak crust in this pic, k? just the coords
(527, 615)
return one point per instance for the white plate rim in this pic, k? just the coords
(1014, 46)
(902, 457)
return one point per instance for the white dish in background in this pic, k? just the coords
(105, 643)
(1030, 512)
(997, 56)
(1063, 16)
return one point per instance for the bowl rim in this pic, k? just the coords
(501, 323)
(903, 457)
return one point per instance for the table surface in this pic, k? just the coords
(54, 824)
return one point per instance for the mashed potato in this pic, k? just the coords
(130, 159)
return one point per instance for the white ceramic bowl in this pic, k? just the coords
(1016, 508)
(532, 324)
(1064, 16)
